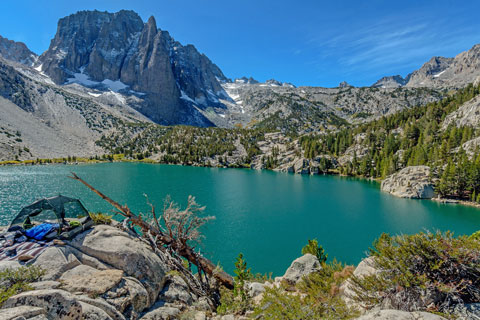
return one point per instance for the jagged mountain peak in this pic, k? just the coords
(16, 51)
(176, 81)
(152, 23)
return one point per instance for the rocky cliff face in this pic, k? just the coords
(440, 72)
(16, 51)
(467, 115)
(431, 70)
(119, 52)
(410, 182)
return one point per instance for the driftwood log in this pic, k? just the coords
(183, 250)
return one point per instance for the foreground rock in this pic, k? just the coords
(104, 273)
(107, 274)
(117, 249)
(411, 182)
(22, 312)
(364, 268)
(399, 315)
(58, 304)
(300, 268)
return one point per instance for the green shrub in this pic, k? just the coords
(424, 271)
(236, 300)
(475, 235)
(318, 297)
(15, 281)
(100, 218)
(313, 248)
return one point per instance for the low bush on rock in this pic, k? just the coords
(424, 271)
(317, 297)
(101, 218)
(15, 281)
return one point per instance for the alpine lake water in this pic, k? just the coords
(268, 216)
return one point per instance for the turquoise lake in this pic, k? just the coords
(268, 216)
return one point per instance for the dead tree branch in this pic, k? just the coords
(178, 230)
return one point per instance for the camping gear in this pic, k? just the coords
(74, 224)
(32, 247)
(87, 224)
(39, 232)
(53, 210)
(31, 232)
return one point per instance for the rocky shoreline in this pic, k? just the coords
(412, 182)
(107, 273)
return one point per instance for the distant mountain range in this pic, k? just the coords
(104, 69)
(440, 72)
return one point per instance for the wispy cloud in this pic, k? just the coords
(390, 44)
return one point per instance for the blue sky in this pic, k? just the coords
(316, 43)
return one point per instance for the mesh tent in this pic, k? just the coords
(54, 209)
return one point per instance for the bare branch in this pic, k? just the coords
(180, 227)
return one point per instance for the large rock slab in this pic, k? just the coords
(119, 250)
(410, 182)
(93, 283)
(90, 312)
(399, 315)
(102, 304)
(79, 271)
(162, 313)
(301, 267)
(43, 285)
(21, 311)
(58, 304)
(467, 115)
(55, 261)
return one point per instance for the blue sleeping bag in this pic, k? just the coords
(40, 231)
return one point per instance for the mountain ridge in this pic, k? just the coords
(122, 64)
(120, 48)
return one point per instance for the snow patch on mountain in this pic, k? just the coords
(83, 79)
(117, 96)
(439, 74)
(115, 85)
